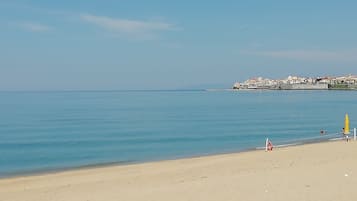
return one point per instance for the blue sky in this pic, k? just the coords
(115, 45)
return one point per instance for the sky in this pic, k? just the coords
(149, 45)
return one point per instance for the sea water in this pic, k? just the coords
(45, 131)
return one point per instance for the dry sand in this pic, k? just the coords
(324, 171)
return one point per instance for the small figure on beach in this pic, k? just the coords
(345, 135)
(270, 146)
(322, 132)
(347, 138)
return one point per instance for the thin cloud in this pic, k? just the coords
(309, 55)
(128, 27)
(34, 27)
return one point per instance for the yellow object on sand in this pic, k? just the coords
(346, 130)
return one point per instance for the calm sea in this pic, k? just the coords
(44, 131)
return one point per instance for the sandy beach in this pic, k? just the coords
(323, 171)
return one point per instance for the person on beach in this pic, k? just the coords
(270, 146)
(345, 135)
(347, 138)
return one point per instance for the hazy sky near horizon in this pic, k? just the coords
(122, 44)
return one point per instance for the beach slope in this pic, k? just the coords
(323, 171)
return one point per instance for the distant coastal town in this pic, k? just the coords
(348, 82)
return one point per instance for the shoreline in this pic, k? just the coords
(283, 144)
(318, 171)
(119, 164)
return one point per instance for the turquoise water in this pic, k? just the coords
(44, 131)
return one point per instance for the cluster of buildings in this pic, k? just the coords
(295, 82)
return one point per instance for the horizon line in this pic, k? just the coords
(102, 90)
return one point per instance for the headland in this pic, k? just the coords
(348, 82)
